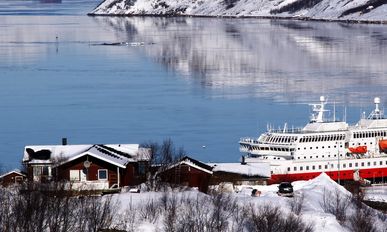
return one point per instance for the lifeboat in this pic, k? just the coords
(383, 145)
(360, 149)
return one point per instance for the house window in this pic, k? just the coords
(74, 175)
(141, 168)
(102, 174)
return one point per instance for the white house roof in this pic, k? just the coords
(249, 169)
(193, 163)
(116, 154)
(17, 171)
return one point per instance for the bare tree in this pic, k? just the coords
(296, 203)
(268, 218)
(336, 203)
(362, 220)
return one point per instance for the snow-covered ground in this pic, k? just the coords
(314, 9)
(312, 194)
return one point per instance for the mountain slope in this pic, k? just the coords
(367, 10)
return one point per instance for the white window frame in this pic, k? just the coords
(73, 173)
(107, 174)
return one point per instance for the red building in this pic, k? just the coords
(187, 172)
(88, 166)
(12, 177)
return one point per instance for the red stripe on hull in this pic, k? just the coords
(370, 174)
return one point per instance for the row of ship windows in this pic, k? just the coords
(322, 156)
(273, 148)
(326, 166)
(368, 134)
(279, 139)
(323, 147)
(321, 138)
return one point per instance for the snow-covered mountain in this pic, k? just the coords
(364, 10)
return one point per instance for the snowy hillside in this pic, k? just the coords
(367, 10)
(315, 207)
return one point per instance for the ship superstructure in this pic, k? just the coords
(342, 151)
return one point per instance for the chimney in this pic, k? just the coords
(243, 162)
(64, 141)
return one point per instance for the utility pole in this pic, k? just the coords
(338, 164)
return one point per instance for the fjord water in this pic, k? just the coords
(203, 82)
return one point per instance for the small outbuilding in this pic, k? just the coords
(187, 172)
(12, 177)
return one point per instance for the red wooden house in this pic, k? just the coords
(88, 166)
(187, 172)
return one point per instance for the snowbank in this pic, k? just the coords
(312, 193)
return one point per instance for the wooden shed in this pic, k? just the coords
(12, 177)
(187, 172)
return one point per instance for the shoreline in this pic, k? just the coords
(349, 21)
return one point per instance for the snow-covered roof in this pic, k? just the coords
(192, 163)
(116, 154)
(249, 169)
(17, 171)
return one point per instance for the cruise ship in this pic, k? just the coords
(344, 152)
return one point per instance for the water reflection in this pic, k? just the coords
(284, 60)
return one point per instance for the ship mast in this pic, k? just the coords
(377, 113)
(318, 111)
